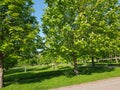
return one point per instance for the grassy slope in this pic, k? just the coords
(43, 78)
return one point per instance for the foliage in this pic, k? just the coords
(19, 33)
(76, 29)
(19, 30)
(48, 58)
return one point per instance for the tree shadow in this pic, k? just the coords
(21, 69)
(38, 69)
(110, 64)
(32, 77)
(65, 68)
(87, 70)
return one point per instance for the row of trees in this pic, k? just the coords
(76, 29)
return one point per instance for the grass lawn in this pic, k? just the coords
(45, 78)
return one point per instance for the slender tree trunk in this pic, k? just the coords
(98, 61)
(1, 70)
(53, 66)
(25, 69)
(116, 59)
(75, 65)
(93, 62)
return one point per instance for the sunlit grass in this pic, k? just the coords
(44, 77)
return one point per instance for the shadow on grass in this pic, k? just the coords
(31, 77)
(38, 69)
(21, 69)
(65, 68)
(109, 64)
(97, 69)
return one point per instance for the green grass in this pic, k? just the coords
(44, 77)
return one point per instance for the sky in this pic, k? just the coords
(39, 5)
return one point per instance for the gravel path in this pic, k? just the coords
(107, 84)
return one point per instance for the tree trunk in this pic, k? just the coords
(25, 69)
(1, 70)
(75, 66)
(93, 63)
(116, 60)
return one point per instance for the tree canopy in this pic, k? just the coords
(19, 32)
(79, 28)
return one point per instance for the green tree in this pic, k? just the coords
(78, 28)
(59, 29)
(100, 28)
(18, 32)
